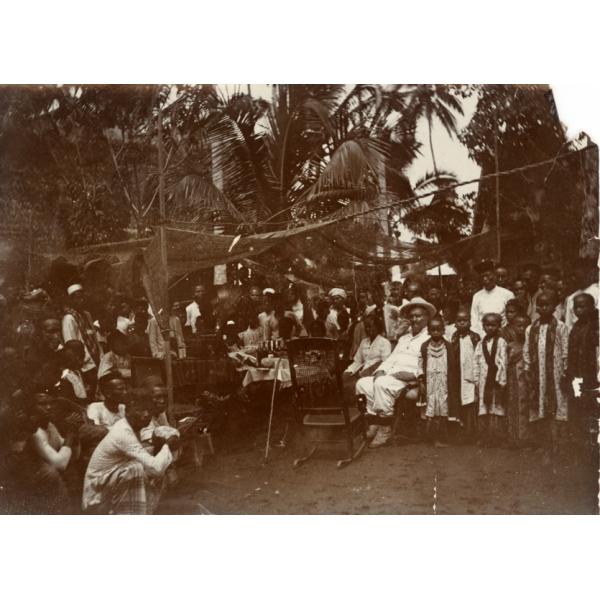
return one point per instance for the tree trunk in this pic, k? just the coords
(435, 170)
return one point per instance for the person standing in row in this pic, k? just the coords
(489, 374)
(437, 373)
(490, 299)
(545, 357)
(464, 342)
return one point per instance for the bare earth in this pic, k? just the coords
(411, 479)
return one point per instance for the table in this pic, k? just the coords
(258, 374)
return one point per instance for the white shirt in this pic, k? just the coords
(405, 356)
(467, 387)
(570, 318)
(100, 415)
(49, 446)
(369, 353)
(76, 381)
(485, 302)
(392, 320)
(70, 331)
(192, 312)
(146, 432)
(119, 447)
(123, 324)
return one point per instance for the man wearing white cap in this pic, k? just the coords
(77, 325)
(338, 298)
(391, 377)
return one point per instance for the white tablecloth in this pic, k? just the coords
(254, 374)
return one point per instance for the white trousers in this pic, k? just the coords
(382, 395)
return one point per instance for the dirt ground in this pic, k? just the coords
(399, 479)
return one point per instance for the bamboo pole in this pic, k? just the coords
(497, 178)
(164, 270)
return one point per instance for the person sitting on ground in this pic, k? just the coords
(117, 358)
(122, 477)
(47, 443)
(30, 485)
(491, 298)
(392, 376)
(71, 382)
(49, 342)
(158, 393)
(112, 408)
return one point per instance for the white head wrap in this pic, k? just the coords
(333, 292)
(76, 287)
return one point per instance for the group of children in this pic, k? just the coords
(517, 385)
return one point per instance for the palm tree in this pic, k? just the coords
(435, 102)
(313, 150)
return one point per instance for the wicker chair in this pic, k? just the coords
(320, 405)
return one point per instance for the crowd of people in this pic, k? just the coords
(503, 356)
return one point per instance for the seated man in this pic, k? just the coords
(117, 358)
(122, 477)
(112, 409)
(158, 393)
(28, 484)
(392, 376)
(55, 454)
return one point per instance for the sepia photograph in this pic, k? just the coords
(296, 299)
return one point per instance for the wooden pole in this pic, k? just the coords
(268, 442)
(164, 284)
(498, 247)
